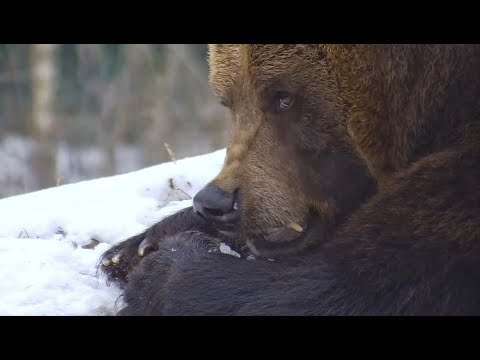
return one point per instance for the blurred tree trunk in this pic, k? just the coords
(44, 160)
(162, 111)
(121, 101)
(186, 106)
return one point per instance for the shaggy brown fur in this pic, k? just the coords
(287, 165)
(406, 116)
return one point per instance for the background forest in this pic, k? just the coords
(71, 112)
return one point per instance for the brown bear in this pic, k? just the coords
(355, 167)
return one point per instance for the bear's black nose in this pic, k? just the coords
(215, 204)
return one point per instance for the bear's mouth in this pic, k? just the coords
(284, 234)
(284, 237)
(282, 240)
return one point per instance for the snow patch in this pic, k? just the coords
(43, 268)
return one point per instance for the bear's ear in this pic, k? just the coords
(224, 56)
(224, 61)
(224, 53)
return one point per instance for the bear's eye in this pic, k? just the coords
(284, 100)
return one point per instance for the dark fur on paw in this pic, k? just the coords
(117, 262)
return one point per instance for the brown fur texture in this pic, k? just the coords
(402, 117)
(287, 166)
(381, 104)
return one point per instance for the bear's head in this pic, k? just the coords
(291, 165)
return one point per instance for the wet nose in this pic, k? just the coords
(215, 204)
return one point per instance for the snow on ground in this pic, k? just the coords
(44, 267)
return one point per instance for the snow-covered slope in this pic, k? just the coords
(46, 265)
